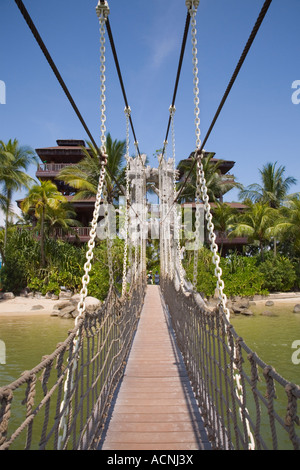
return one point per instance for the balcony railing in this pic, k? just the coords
(82, 233)
(52, 167)
(75, 233)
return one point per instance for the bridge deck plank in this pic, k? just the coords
(155, 408)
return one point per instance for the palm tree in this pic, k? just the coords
(224, 217)
(216, 184)
(274, 188)
(15, 161)
(40, 201)
(63, 218)
(84, 175)
(257, 223)
(288, 226)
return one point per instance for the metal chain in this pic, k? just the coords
(136, 217)
(81, 305)
(124, 281)
(220, 287)
(102, 12)
(192, 6)
(108, 234)
(197, 229)
(177, 247)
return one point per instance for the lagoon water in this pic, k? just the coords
(28, 339)
(272, 336)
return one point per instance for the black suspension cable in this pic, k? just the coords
(115, 56)
(249, 43)
(183, 46)
(112, 44)
(44, 49)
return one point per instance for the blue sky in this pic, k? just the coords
(258, 124)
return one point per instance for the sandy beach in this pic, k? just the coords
(21, 306)
(24, 306)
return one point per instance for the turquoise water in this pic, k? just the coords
(271, 337)
(26, 340)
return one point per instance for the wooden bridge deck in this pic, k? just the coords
(155, 408)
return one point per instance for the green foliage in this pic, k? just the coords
(22, 266)
(99, 275)
(206, 281)
(65, 265)
(21, 260)
(279, 274)
(241, 275)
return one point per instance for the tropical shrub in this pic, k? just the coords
(279, 274)
(241, 275)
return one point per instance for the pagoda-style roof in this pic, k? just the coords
(224, 166)
(66, 151)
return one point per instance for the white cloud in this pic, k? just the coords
(162, 49)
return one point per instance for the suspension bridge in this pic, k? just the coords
(155, 367)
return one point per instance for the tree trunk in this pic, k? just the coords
(42, 239)
(275, 247)
(6, 220)
(262, 251)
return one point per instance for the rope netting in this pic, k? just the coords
(89, 375)
(228, 378)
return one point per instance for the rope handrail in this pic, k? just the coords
(202, 335)
(111, 328)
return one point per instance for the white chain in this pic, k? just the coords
(177, 247)
(136, 217)
(220, 286)
(81, 304)
(124, 281)
(197, 227)
(108, 234)
(192, 5)
(102, 11)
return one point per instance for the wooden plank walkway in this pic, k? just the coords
(155, 408)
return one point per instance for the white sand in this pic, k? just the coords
(20, 306)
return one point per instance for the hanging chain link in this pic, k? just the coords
(177, 246)
(201, 181)
(81, 306)
(197, 228)
(193, 5)
(124, 281)
(102, 12)
(107, 230)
